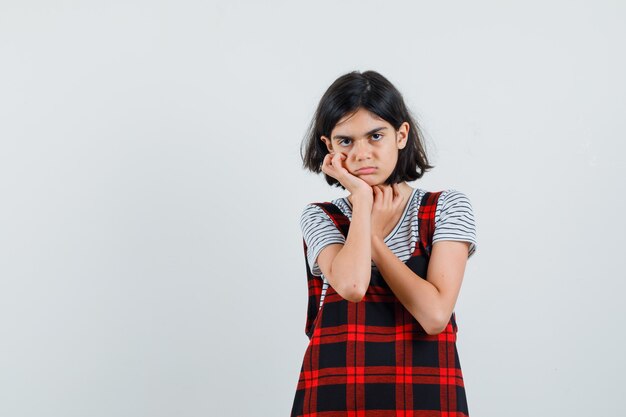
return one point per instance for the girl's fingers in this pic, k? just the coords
(397, 197)
(388, 193)
(336, 159)
(378, 197)
(326, 162)
(328, 167)
(329, 160)
(381, 193)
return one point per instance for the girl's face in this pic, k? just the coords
(370, 144)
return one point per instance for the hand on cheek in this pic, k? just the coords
(334, 166)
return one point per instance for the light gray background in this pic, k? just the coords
(151, 189)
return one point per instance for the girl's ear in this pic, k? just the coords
(403, 135)
(328, 143)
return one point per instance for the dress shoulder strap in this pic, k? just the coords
(336, 215)
(315, 283)
(426, 225)
(426, 220)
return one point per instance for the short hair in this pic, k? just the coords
(373, 92)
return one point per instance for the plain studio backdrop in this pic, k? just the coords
(151, 191)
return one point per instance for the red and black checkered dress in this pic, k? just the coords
(372, 358)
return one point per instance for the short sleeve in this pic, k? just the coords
(318, 231)
(454, 219)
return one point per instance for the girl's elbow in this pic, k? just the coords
(353, 293)
(434, 330)
(355, 297)
(435, 325)
(350, 290)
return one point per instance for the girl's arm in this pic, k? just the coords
(348, 267)
(430, 302)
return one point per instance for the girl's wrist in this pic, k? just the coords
(376, 239)
(375, 245)
(369, 201)
(362, 199)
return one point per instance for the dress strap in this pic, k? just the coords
(426, 221)
(426, 226)
(336, 215)
(315, 283)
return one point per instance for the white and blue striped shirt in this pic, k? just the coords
(454, 220)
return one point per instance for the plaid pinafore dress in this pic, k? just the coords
(372, 358)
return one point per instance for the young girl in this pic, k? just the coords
(384, 264)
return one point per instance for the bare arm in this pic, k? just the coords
(430, 301)
(348, 266)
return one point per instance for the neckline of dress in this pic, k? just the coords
(397, 226)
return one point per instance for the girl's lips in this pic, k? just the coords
(366, 170)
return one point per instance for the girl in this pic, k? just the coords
(384, 264)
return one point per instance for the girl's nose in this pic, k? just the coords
(361, 150)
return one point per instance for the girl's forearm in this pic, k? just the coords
(417, 295)
(352, 266)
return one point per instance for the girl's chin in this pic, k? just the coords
(369, 180)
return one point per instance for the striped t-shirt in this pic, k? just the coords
(454, 220)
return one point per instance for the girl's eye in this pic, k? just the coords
(341, 141)
(377, 134)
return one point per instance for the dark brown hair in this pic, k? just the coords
(373, 92)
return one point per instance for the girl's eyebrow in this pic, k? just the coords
(371, 132)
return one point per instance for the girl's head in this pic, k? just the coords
(363, 116)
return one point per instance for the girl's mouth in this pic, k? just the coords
(367, 170)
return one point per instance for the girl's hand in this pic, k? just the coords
(333, 166)
(387, 208)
